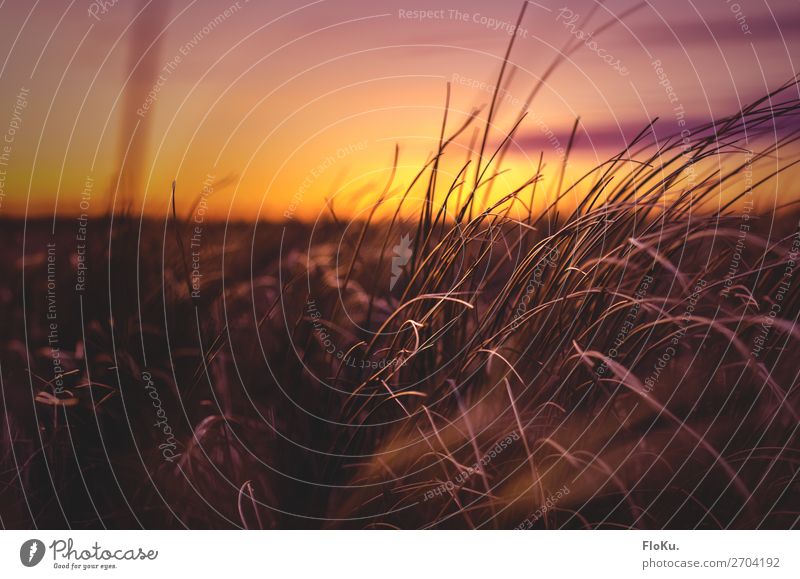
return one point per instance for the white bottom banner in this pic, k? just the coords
(405, 554)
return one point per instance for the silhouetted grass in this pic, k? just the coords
(626, 362)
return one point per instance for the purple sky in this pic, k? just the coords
(260, 96)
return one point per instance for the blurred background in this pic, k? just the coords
(280, 105)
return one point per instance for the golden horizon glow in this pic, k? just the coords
(279, 108)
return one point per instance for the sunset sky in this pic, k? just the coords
(277, 105)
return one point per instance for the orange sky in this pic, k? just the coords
(277, 105)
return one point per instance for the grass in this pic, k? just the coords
(627, 363)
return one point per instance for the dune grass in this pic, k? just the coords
(626, 363)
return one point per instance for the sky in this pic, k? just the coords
(289, 110)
